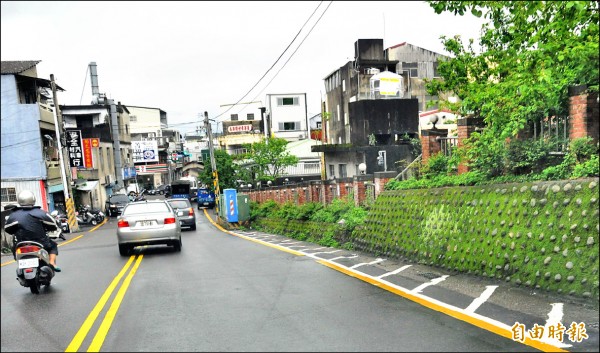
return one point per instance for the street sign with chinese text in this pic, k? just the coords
(74, 144)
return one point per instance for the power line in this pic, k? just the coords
(311, 29)
(263, 76)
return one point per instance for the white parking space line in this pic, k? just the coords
(483, 297)
(368, 263)
(395, 271)
(344, 257)
(555, 317)
(297, 246)
(434, 281)
(326, 252)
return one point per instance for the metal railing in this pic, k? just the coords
(447, 144)
(407, 173)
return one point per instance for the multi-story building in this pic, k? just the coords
(152, 154)
(30, 158)
(246, 125)
(370, 118)
(416, 65)
(287, 116)
(97, 176)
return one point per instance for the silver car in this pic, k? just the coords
(184, 211)
(147, 223)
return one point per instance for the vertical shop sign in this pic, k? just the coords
(74, 148)
(88, 160)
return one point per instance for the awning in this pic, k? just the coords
(87, 186)
(55, 188)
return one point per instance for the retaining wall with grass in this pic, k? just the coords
(541, 235)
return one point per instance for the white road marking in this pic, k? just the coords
(483, 297)
(368, 263)
(555, 317)
(395, 271)
(434, 281)
(344, 257)
(326, 252)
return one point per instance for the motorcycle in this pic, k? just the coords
(58, 233)
(34, 268)
(86, 217)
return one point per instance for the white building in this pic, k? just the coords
(288, 116)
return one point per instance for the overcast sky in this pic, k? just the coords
(189, 57)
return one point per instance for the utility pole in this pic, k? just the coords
(213, 163)
(66, 177)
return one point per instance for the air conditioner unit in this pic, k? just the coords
(109, 179)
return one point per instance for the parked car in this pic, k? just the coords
(162, 189)
(185, 212)
(148, 222)
(115, 204)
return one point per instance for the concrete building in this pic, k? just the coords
(370, 118)
(153, 152)
(30, 158)
(287, 116)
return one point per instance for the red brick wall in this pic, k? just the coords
(583, 113)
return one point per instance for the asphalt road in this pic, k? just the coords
(250, 291)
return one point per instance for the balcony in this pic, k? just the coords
(46, 117)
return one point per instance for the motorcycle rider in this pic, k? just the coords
(30, 223)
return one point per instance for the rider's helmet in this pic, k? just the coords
(26, 198)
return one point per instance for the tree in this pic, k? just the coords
(225, 167)
(531, 52)
(269, 158)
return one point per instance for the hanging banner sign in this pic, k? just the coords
(74, 149)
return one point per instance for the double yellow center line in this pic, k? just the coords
(110, 314)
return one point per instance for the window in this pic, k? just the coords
(331, 171)
(342, 168)
(346, 121)
(287, 101)
(289, 126)
(250, 116)
(435, 70)
(412, 68)
(234, 117)
(9, 195)
(344, 85)
(132, 118)
(318, 125)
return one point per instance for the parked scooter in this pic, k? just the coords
(85, 216)
(34, 268)
(58, 233)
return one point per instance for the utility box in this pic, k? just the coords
(243, 203)
(230, 205)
